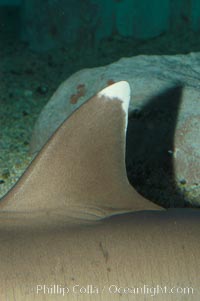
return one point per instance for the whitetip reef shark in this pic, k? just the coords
(73, 228)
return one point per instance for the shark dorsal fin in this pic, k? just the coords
(80, 172)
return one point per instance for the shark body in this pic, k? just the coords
(73, 228)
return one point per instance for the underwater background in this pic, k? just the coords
(42, 43)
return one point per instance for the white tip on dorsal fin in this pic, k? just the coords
(121, 91)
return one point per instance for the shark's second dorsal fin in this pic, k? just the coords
(80, 173)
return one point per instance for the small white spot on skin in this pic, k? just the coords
(174, 153)
(121, 91)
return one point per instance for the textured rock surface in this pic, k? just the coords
(164, 123)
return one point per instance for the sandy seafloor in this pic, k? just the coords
(28, 79)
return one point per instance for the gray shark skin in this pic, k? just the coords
(73, 228)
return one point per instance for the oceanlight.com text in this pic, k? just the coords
(112, 289)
